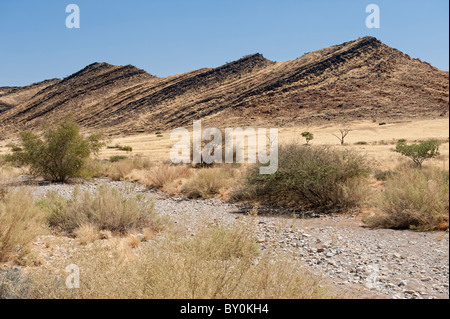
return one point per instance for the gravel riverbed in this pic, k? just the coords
(378, 263)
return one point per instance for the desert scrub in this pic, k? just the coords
(21, 220)
(107, 208)
(94, 168)
(162, 175)
(223, 263)
(413, 199)
(208, 182)
(312, 177)
(122, 168)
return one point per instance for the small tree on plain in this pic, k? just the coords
(419, 153)
(59, 154)
(308, 136)
(342, 135)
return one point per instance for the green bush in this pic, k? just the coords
(117, 158)
(418, 153)
(60, 154)
(126, 149)
(313, 177)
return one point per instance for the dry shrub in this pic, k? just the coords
(129, 168)
(119, 170)
(413, 198)
(107, 208)
(133, 240)
(164, 175)
(141, 162)
(87, 233)
(208, 182)
(95, 168)
(21, 220)
(218, 263)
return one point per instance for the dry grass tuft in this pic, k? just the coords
(134, 241)
(87, 233)
(166, 176)
(7, 176)
(129, 168)
(119, 170)
(209, 182)
(413, 199)
(21, 220)
(108, 208)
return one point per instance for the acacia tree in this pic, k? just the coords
(59, 154)
(343, 134)
(308, 136)
(418, 153)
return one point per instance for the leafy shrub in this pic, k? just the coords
(20, 221)
(60, 154)
(418, 153)
(313, 177)
(413, 198)
(106, 209)
(361, 143)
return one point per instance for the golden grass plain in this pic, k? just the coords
(380, 140)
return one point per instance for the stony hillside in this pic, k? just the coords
(359, 79)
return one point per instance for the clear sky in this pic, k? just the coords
(166, 37)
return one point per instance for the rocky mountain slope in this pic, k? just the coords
(363, 78)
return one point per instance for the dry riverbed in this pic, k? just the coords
(356, 260)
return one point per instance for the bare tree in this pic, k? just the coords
(343, 134)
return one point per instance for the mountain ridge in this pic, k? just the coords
(363, 78)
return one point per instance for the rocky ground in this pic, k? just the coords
(363, 262)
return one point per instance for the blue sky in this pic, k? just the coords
(174, 36)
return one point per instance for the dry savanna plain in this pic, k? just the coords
(367, 137)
